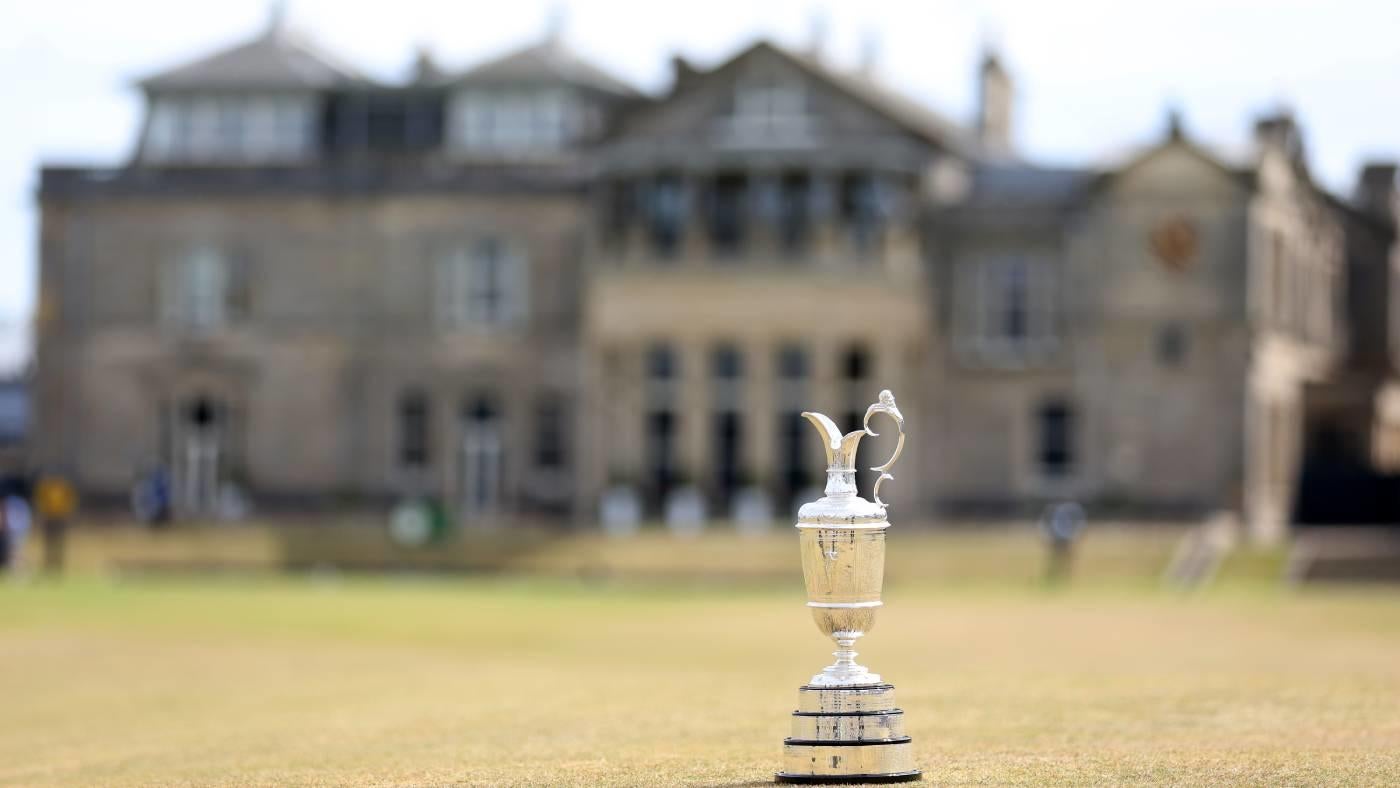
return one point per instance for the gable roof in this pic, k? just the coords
(1177, 140)
(903, 111)
(276, 59)
(549, 60)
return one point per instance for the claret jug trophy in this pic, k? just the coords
(846, 728)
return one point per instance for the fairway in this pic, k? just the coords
(326, 681)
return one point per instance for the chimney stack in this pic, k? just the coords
(426, 70)
(994, 98)
(1280, 131)
(1375, 190)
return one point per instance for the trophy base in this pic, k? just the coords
(849, 779)
(847, 735)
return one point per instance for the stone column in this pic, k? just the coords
(760, 412)
(636, 238)
(693, 410)
(446, 409)
(825, 247)
(695, 235)
(761, 241)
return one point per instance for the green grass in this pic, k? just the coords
(982, 556)
(327, 680)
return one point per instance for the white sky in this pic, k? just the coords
(1094, 77)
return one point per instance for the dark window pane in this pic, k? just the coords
(413, 430)
(1056, 427)
(661, 453)
(859, 209)
(793, 459)
(482, 409)
(551, 442)
(666, 214)
(792, 362)
(1016, 314)
(1172, 345)
(728, 212)
(727, 363)
(728, 439)
(855, 364)
(661, 363)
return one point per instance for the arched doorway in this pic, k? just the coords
(199, 453)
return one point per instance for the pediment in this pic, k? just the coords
(1176, 166)
(768, 99)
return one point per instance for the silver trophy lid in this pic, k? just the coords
(842, 504)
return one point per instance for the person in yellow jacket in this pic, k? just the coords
(55, 500)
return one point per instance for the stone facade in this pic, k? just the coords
(515, 288)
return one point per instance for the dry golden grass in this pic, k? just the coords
(320, 680)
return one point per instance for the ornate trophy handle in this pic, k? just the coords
(886, 406)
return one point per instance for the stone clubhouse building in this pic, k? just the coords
(519, 286)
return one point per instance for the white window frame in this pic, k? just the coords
(483, 285)
(229, 128)
(770, 108)
(994, 281)
(517, 121)
(196, 290)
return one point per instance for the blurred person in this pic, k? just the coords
(1061, 523)
(5, 541)
(14, 522)
(56, 500)
(150, 497)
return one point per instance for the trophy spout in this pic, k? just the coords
(840, 449)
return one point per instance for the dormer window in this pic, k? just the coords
(224, 129)
(771, 109)
(501, 120)
(770, 98)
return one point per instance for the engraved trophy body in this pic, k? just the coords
(846, 727)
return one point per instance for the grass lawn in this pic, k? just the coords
(324, 680)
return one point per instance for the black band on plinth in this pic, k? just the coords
(847, 779)
(847, 742)
(846, 713)
(852, 688)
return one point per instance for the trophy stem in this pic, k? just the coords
(845, 671)
(845, 653)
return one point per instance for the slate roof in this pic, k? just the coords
(549, 61)
(276, 59)
(1017, 185)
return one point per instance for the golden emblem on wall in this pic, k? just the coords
(1174, 243)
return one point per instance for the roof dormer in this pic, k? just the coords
(535, 102)
(258, 102)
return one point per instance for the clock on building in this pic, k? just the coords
(1174, 242)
